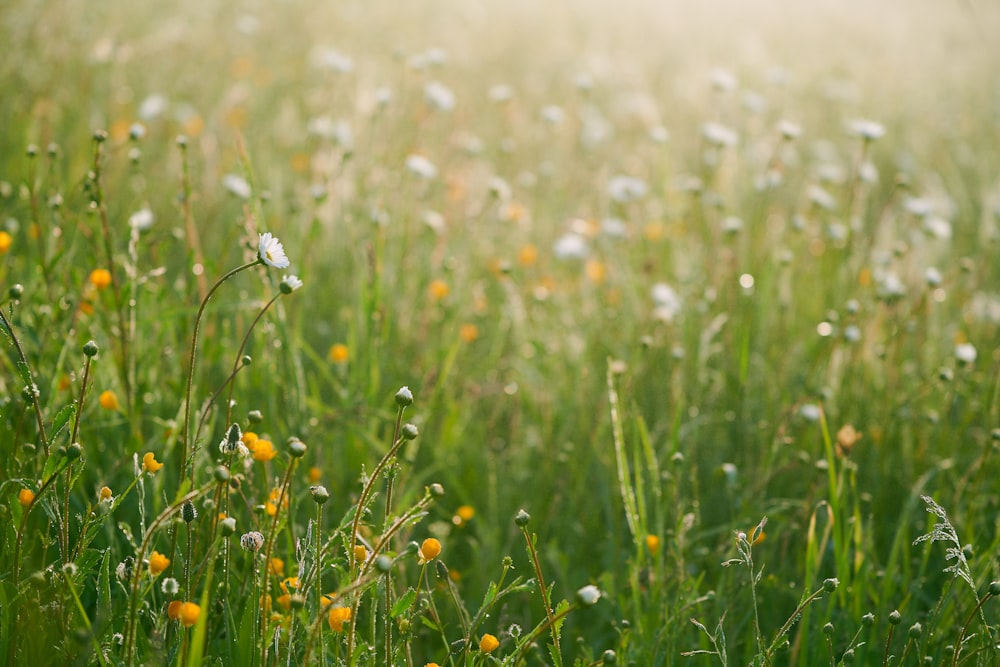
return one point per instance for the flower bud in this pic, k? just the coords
(90, 348)
(255, 417)
(830, 585)
(74, 451)
(916, 630)
(436, 490)
(189, 512)
(609, 657)
(383, 563)
(222, 474)
(16, 290)
(319, 493)
(522, 518)
(410, 432)
(994, 588)
(404, 397)
(296, 447)
(588, 595)
(895, 617)
(228, 526)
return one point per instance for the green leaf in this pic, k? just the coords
(403, 603)
(104, 589)
(61, 419)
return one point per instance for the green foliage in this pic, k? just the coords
(636, 302)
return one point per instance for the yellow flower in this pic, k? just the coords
(468, 333)
(285, 601)
(596, 271)
(263, 450)
(429, 550)
(277, 567)
(438, 289)
(158, 563)
(314, 475)
(290, 582)
(432, 664)
(653, 543)
(104, 493)
(174, 610)
(250, 440)
(360, 553)
(65, 382)
(108, 400)
(488, 643)
(189, 613)
(337, 617)
(527, 255)
(265, 604)
(25, 497)
(338, 353)
(5, 242)
(100, 278)
(847, 437)
(463, 515)
(149, 462)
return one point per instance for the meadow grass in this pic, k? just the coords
(644, 334)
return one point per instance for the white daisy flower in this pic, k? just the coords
(290, 283)
(271, 252)
(965, 353)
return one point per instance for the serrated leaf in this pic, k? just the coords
(61, 420)
(403, 603)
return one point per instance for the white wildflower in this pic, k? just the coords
(271, 252)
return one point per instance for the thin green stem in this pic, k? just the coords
(31, 382)
(185, 431)
(269, 543)
(965, 628)
(533, 552)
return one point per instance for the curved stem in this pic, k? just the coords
(965, 628)
(190, 370)
(236, 368)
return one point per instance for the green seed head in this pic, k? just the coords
(296, 447)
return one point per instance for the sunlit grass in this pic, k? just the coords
(573, 299)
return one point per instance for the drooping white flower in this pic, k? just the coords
(271, 252)
(290, 283)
